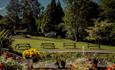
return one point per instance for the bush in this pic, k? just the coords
(10, 64)
(32, 54)
(6, 43)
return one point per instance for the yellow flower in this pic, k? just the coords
(31, 53)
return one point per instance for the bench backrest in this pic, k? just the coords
(73, 45)
(48, 45)
(93, 45)
(23, 45)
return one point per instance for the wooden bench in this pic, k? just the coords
(48, 45)
(22, 46)
(90, 45)
(69, 44)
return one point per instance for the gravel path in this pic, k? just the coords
(81, 51)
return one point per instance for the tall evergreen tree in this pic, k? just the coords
(31, 10)
(60, 14)
(32, 6)
(13, 13)
(77, 15)
(35, 5)
(49, 17)
(52, 18)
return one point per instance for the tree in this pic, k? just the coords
(108, 13)
(77, 17)
(108, 9)
(31, 10)
(3, 23)
(0, 16)
(39, 21)
(32, 6)
(25, 10)
(52, 18)
(59, 19)
(100, 32)
(40, 25)
(60, 13)
(35, 5)
(13, 13)
(30, 24)
(49, 17)
(6, 23)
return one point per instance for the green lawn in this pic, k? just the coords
(35, 42)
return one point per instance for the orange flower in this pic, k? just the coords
(108, 68)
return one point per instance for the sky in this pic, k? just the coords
(4, 3)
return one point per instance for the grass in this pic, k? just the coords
(35, 42)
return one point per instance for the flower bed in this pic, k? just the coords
(74, 60)
(10, 62)
(82, 62)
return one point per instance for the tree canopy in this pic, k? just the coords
(77, 17)
(52, 17)
(108, 9)
(78, 20)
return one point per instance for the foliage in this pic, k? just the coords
(52, 17)
(28, 20)
(76, 16)
(13, 13)
(22, 14)
(32, 54)
(6, 43)
(40, 25)
(112, 35)
(31, 6)
(100, 31)
(10, 64)
(71, 23)
(49, 17)
(59, 19)
(1, 17)
(3, 21)
(30, 24)
(107, 7)
(6, 23)
(108, 12)
(5, 39)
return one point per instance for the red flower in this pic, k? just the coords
(1, 66)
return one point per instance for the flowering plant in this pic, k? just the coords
(31, 54)
(10, 64)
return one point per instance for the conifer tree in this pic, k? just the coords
(49, 17)
(31, 10)
(53, 17)
(13, 13)
(60, 14)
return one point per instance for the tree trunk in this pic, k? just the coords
(98, 43)
(75, 37)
